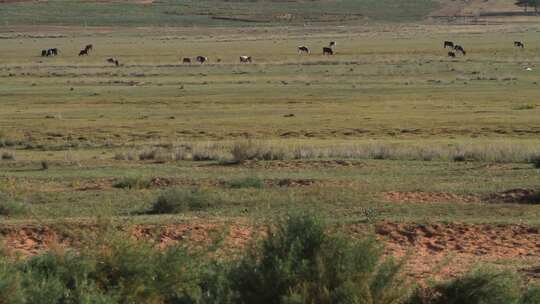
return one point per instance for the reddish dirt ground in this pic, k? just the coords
(432, 250)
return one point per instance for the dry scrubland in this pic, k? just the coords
(431, 154)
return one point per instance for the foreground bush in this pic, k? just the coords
(481, 286)
(299, 263)
(248, 182)
(133, 183)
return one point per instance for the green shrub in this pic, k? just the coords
(248, 182)
(180, 200)
(299, 263)
(132, 183)
(481, 286)
(531, 295)
(536, 161)
(10, 285)
(9, 207)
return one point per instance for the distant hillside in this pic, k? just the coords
(210, 12)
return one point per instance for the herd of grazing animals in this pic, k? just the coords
(326, 50)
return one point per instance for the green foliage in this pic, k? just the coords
(299, 263)
(480, 286)
(132, 183)
(180, 200)
(531, 296)
(9, 207)
(536, 161)
(248, 182)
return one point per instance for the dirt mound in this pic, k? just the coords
(516, 196)
(427, 197)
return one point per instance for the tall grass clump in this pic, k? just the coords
(180, 200)
(298, 262)
(253, 150)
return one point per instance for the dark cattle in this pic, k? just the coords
(459, 48)
(111, 60)
(327, 51)
(88, 48)
(186, 60)
(201, 59)
(116, 63)
(83, 52)
(519, 44)
(245, 59)
(449, 44)
(52, 52)
(43, 53)
(332, 44)
(303, 49)
(452, 54)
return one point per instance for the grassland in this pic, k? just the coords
(210, 13)
(389, 130)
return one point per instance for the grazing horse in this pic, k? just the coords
(519, 44)
(201, 59)
(245, 59)
(327, 51)
(83, 52)
(303, 49)
(452, 54)
(186, 60)
(459, 48)
(449, 44)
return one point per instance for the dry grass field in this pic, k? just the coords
(434, 155)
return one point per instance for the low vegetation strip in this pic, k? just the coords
(296, 261)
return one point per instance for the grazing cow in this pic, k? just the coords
(332, 44)
(186, 60)
(83, 52)
(114, 61)
(327, 51)
(452, 54)
(245, 59)
(449, 44)
(52, 52)
(519, 44)
(459, 48)
(88, 48)
(43, 53)
(201, 59)
(303, 49)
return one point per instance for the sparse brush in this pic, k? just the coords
(248, 182)
(133, 183)
(44, 165)
(10, 207)
(180, 200)
(535, 160)
(7, 156)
